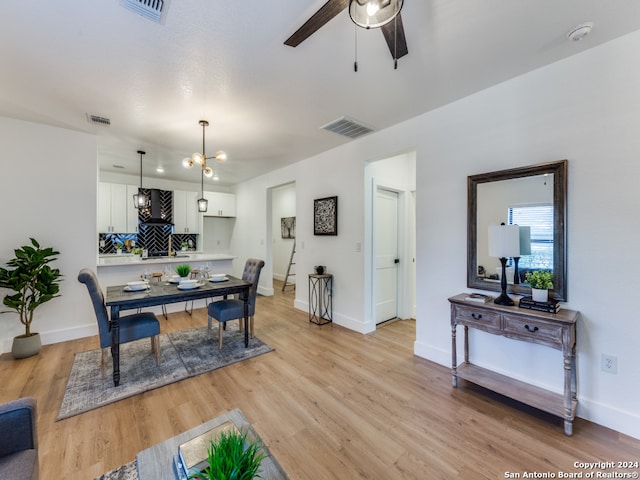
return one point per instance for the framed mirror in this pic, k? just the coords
(534, 197)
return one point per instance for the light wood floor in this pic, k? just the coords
(330, 403)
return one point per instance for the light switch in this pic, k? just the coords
(358, 247)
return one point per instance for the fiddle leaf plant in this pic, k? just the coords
(232, 457)
(540, 279)
(32, 279)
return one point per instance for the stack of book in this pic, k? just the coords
(478, 297)
(550, 306)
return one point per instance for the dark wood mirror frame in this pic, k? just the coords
(559, 171)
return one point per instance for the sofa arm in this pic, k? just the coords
(18, 423)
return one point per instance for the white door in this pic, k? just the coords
(386, 255)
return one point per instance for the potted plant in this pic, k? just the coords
(184, 246)
(118, 248)
(232, 456)
(540, 281)
(35, 282)
(183, 270)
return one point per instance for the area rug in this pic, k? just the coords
(184, 354)
(128, 471)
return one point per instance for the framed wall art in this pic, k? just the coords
(325, 216)
(288, 227)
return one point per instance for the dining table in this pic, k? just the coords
(119, 298)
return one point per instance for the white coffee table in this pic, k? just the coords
(157, 462)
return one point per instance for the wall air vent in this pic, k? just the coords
(348, 127)
(98, 120)
(155, 10)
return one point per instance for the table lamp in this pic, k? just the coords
(504, 242)
(525, 249)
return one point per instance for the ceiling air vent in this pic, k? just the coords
(348, 127)
(155, 10)
(98, 120)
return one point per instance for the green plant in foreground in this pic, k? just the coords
(183, 270)
(33, 280)
(540, 279)
(231, 457)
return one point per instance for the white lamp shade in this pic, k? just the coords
(525, 241)
(504, 241)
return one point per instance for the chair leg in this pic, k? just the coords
(241, 324)
(103, 361)
(155, 347)
(209, 327)
(185, 307)
(220, 327)
(164, 312)
(251, 326)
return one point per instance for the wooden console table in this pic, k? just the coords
(553, 330)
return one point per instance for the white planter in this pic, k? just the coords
(539, 294)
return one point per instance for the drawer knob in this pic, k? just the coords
(477, 316)
(534, 329)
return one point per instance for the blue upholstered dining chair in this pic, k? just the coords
(233, 309)
(132, 327)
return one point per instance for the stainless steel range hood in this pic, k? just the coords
(156, 217)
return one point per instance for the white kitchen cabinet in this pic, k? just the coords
(220, 204)
(186, 218)
(132, 211)
(116, 213)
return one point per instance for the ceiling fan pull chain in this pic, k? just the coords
(355, 36)
(395, 42)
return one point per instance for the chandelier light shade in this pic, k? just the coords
(374, 13)
(140, 200)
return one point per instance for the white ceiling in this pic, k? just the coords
(225, 61)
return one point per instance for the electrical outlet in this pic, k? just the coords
(609, 363)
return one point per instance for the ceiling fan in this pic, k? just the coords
(364, 13)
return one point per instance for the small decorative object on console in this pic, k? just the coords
(478, 297)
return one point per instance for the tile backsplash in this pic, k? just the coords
(155, 238)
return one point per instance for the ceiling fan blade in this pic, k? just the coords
(317, 20)
(399, 44)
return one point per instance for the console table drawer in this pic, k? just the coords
(477, 317)
(532, 330)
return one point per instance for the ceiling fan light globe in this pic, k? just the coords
(208, 172)
(372, 8)
(187, 163)
(374, 13)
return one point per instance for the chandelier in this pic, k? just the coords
(201, 159)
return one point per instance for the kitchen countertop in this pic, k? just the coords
(182, 257)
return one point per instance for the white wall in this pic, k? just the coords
(48, 191)
(283, 202)
(584, 109)
(216, 234)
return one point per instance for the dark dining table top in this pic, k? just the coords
(165, 292)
